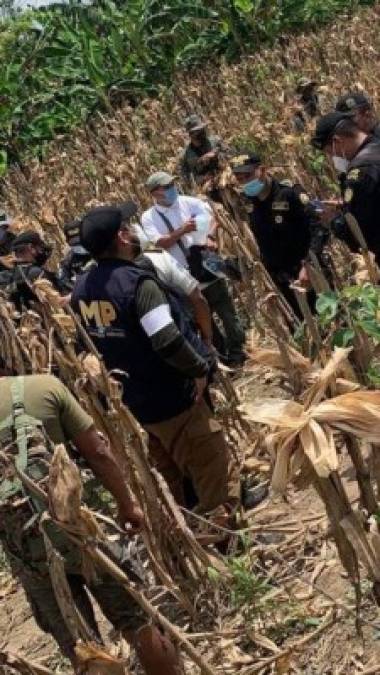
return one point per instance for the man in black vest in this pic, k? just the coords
(356, 156)
(142, 332)
(283, 221)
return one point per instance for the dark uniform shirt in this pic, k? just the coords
(16, 281)
(376, 131)
(140, 330)
(286, 226)
(361, 197)
(189, 164)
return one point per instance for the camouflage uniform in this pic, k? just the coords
(200, 172)
(24, 444)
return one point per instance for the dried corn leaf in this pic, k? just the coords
(357, 413)
(274, 359)
(97, 661)
(65, 487)
(263, 641)
(276, 412)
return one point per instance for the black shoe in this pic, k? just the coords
(237, 360)
(250, 498)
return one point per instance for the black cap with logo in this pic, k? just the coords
(353, 101)
(245, 162)
(28, 237)
(326, 127)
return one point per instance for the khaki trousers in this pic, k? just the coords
(193, 443)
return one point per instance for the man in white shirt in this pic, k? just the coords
(170, 221)
(170, 224)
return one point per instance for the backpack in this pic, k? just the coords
(23, 446)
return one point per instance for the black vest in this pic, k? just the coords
(369, 155)
(105, 298)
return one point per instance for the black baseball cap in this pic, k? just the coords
(245, 162)
(353, 101)
(28, 237)
(326, 127)
(100, 226)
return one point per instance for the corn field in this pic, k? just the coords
(66, 64)
(328, 412)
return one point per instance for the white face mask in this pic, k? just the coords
(340, 164)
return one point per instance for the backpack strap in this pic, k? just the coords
(172, 229)
(19, 423)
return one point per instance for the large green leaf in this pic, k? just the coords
(59, 63)
(327, 306)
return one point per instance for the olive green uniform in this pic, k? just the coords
(46, 399)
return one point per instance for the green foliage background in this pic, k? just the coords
(61, 65)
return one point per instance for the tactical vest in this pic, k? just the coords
(22, 446)
(14, 282)
(105, 297)
(369, 155)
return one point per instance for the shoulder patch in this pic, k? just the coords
(241, 159)
(304, 198)
(353, 174)
(348, 194)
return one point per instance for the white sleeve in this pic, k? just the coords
(171, 272)
(199, 206)
(149, 228)
(180, 277)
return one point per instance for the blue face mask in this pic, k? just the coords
(171, 194)
(253, 188)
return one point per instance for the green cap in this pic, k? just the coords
(194, 123)
(159, 179)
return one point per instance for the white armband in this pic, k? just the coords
(157, 319)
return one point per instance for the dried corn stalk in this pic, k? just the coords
(22, 665)
(175, 560)
(303, 446)
(80, 526)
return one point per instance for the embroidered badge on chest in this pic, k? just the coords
(349, 193)
(280, 206)
(304, 198)
(353, 174)
(278, 220)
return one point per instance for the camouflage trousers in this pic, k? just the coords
(25, 551)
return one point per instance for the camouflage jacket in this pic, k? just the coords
(190, 166)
